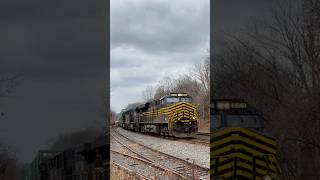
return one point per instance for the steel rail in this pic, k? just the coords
(190, 166)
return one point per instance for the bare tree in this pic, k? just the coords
(276, 66)
(133, 105)
(196, 83)
(72, 139)
(8, 162)
(164, 87)
(160, 92)
(201, 74)
(113, 117)
(148, 93)
(9, 166)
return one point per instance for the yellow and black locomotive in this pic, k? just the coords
(239, 148)
(172, 115)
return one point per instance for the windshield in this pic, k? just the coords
(249, 121)
(172, 99)
(177, 99)
(246, 121)
(185, 99)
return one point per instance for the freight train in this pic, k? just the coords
(240, 149)
(172, 115)
(89, 161)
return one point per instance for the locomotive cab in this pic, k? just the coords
(182, 115)
(173, 98)
(235, 113)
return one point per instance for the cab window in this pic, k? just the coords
(185, 99)
(172, 100)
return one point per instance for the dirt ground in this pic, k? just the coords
(204, 126)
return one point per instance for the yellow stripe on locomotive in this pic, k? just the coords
(239, 149)
(174, 114)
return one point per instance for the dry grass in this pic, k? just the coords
(204, 126)
(118, 173)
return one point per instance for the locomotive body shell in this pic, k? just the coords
(179, 119)
(243, 153)
(239, 147)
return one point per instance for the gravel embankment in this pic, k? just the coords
(200, 154)
(142, 168)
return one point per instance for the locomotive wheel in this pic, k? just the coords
(162, 131)
(158, 129)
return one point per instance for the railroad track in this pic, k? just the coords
(179, 167)
(202, 135)
(144, 164)
(200, 139)
(137, 174)
(142, 168)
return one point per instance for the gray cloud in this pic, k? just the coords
(152, 39)
(232, 17)
(52, 48)
(38, 9)
(60, 48)
(160, 26)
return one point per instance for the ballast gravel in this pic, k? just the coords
(196, 153)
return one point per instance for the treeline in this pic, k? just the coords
(75, 138)
(276, 67)
(10, 168)
(195, 82)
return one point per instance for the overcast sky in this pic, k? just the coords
(232, 17)
(153, 39)
(60, 48)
